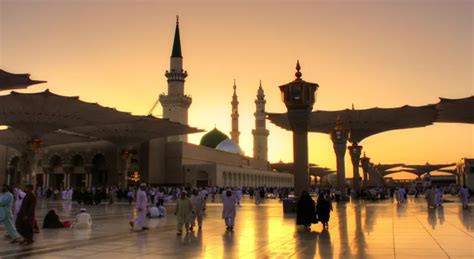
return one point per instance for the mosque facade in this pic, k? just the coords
(216, 161)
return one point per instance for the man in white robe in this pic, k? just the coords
(238, 194)
(430, 197)
(198, 209)
(229, 211)
(19, 195)
(83, 220)
(64, 194)
(401, 195)
(141, 205)
(70, 192)
(464, 194)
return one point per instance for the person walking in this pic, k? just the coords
(141, 205)
(229, 211)
(198, 209)
(258, 198)
(464, 194)
(305, 211)
(19, 196)
(183, 212)
(430, 197)
(439, 196)
(25, 221)
(6, 217)
(324, 208)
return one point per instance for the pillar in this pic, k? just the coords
(299, 120)
(67, 168)
(365, 163)
(88, 175)
(340, 150)
(355, 151)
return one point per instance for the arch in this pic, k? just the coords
(202, 179)
(99, 171)
(55, 177)
(77, 177)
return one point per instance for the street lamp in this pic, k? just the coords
(299, 97)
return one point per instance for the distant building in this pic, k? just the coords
(465, 173)
(217, 161)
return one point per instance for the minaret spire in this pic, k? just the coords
(176, 52)
(260, 133)
(235, 133)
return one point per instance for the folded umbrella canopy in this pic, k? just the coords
(9, 81)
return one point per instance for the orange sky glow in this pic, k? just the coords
(366, 53)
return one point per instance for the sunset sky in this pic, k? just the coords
(366, 53)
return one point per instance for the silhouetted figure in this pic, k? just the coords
(51, 220)
(25, 220)
(305, 211)
(323, 209)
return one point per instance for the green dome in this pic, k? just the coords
(213, 138)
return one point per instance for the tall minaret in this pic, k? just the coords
(235, 133)
(176, 103)
(260, 133)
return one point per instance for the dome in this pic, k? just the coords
(229, 146)
(213, 138)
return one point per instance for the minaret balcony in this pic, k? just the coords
(176, 76)
(175, 100)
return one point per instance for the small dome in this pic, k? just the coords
(229, 146)
(213, 138)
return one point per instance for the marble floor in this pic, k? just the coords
(356, 230)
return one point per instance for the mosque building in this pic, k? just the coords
(217, 161)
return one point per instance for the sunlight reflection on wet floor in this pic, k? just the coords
(357, 230)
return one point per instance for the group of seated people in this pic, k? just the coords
(83, 220)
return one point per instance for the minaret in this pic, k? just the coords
(260, 133)
(176, 103)
(235, 133)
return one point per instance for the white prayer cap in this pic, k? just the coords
(143, 185)
(82, 210)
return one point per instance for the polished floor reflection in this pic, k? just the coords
(356, 230)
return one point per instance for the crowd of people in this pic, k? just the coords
(17, 214)
(17, 206)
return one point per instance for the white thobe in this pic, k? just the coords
(141, 207)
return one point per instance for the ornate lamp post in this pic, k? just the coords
(299, 97)
(339, 137)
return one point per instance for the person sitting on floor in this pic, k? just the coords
(83, 220)
(51, 220)
(153, 212)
